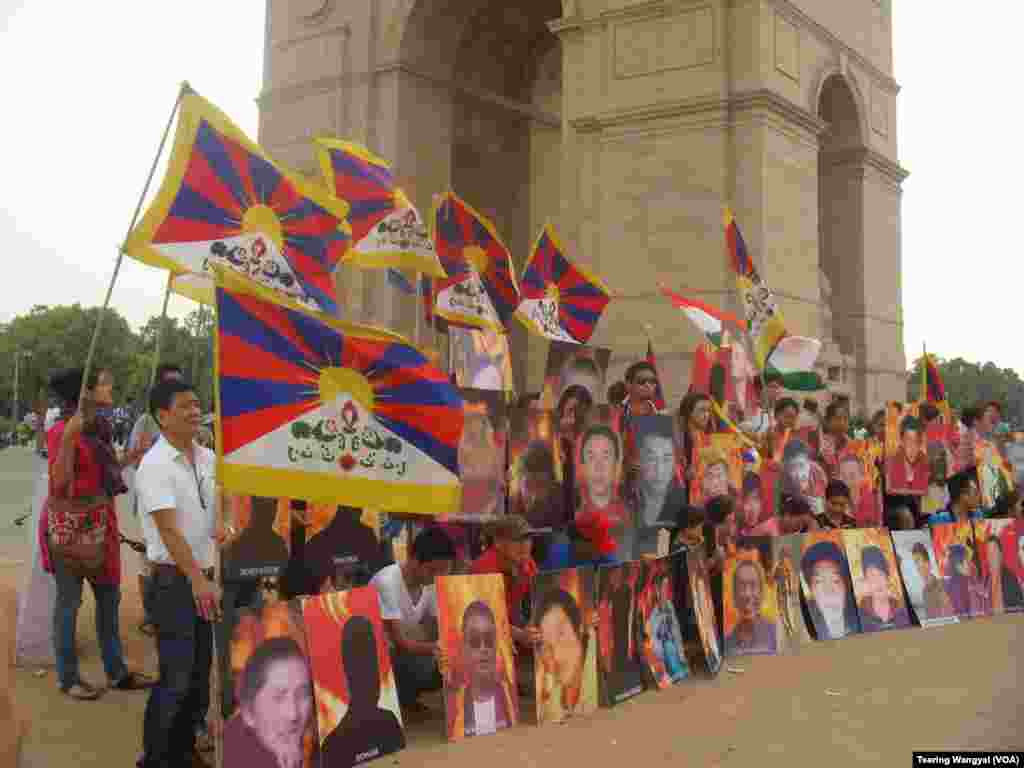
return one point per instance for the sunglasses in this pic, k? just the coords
(481, 640)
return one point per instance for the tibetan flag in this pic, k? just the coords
(387, 230)
(710, 321)
(659, 395)
(313, 408)
(560, 300)
(934, 388)
(793, 358)
(711, 373)
(480, 290)
(764, 321)
(224, 201)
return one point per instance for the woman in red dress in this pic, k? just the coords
(84, 467)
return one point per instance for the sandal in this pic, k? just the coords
(81, 691)
(134, 681)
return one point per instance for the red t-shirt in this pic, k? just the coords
(517, 589)
(88, 482)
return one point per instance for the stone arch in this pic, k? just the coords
(827, 74)
(479, 111)
(841, 250)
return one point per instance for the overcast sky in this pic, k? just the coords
(87, 94)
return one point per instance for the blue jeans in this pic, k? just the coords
(65, 621)
(184, 644)
(414, 675)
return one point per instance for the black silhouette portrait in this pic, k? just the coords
(346, 551)
(367, 731)
(259, 550)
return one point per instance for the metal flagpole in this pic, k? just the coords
(185, 89)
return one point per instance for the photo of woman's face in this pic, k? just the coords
(477, 449)
(281, 710)
(561, 649)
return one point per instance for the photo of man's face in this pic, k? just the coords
(876, 583)
(828, 585)
(911, 441)
(715, 481)
(600, 458)
(657, 464)
(851, 472)
(798, 470)
(479, 649)
(749, 591)
(752, 507)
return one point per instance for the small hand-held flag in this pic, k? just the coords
(313, 408)
(659, 394)
(710, 321)
(480, 290)
(933, 390)
(225, 202)
(387, 230)
(560, 300)
(764, 321)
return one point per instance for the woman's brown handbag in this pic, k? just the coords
(78, 533)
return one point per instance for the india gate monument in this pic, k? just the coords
(628, 124)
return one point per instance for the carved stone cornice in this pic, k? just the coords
(770, 101)
(862, 158)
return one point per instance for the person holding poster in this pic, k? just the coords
(695, 427)
(755, 516)
(964, 499)
(857, 470)
(802, 476)
(600, 457)
(907, 470)
(837, 507)
(835, 440)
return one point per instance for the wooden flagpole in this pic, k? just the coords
(182, 91)
(418, 293)
(160, 334)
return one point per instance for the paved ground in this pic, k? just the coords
(863, 700)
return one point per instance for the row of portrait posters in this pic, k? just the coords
(314, 684)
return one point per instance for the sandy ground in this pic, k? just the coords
(868, 699)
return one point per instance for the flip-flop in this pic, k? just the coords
(82, 692)
(134, 681)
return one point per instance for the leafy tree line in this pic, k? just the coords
(49, 338)
(970, 384)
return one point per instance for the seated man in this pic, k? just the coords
(837, 507)
(509, 555)
(408, 606)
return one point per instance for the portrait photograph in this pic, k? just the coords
(827, 587)
(756, 514)
(907, 468)
(957, 559)
(856, 468)
(719, 470)
(480, 692)
(661, 636)
(358, 717)
(535, 477)
(1000, 546)
(599, 474)
(275, 720)
(750, 610)
(480, 359)
(994, 477)
(785, 580)
(876, 579)
(922, 578)
(258, 546)
(482, 451)
(704, 611)
(575, 365)
(565, 664)
(800, 475)
(620, 657)
(660, 495)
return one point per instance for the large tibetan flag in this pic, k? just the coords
(559, 300)
(387, 230)
(313, 408)
(712, 322)
(480, 290)
(764, 321)
(793, 359)
(224, 201)
(933, 390)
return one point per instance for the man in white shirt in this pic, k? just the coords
(762, 421)
(408, 606)
(176, 490)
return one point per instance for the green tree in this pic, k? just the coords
(58, 337)
(970, 384)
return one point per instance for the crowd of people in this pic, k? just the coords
(170, 474)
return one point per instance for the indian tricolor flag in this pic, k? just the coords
(793, 358)
(711, 322)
